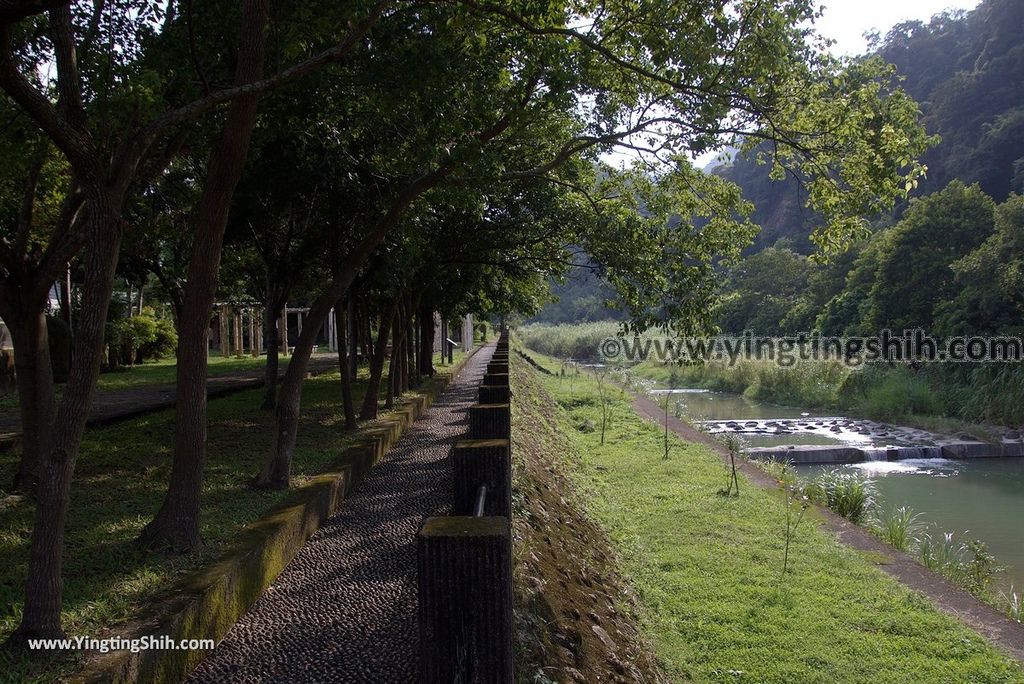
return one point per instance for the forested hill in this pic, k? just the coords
(967, 72)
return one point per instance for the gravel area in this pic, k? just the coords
(344, 610)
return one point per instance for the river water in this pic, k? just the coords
(975, 499)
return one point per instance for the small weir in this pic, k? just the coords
(844, 440)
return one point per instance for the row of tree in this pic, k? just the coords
(387, 159)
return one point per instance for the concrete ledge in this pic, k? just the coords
(1012, 448)
(808, 454)
(206, 604)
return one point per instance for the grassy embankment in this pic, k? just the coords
(707, 568)
(946, 397)
(120, 480)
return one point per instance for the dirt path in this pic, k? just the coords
(344, 610)
(947, 597)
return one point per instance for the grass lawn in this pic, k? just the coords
(162, 372)
(120, 480)
(707, 568)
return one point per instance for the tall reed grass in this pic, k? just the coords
(979, 393)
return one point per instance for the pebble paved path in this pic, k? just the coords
(344, 610)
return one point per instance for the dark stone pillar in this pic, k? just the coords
(478, 462)
(494, 394)
(496, 379)
(497, 367)
(490, 421)
(465, 600)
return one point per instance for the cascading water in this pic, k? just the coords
(916, 452)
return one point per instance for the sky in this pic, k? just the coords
(846, 21)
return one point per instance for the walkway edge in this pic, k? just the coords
(207, 603)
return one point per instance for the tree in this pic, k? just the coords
(115, 130)
(915, 275)
(990, 281)
(762, 290)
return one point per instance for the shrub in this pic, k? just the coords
(898, 527)
(898, 392)
(848, 494)
(164, 342)
(134, 333)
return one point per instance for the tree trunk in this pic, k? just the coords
(65, 296)
(177, 522)
(271, 316)
(276, 472)
(44, 589)
(394, 363)
(372, 395)
(341, 330)
(34, 376)
(353, 341)
(367, 334)
(427, 331)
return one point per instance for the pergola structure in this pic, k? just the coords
(237, 329)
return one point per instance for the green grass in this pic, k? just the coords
(707, 568)
(162, 372)
(120, 480)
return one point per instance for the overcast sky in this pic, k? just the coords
(846, 21)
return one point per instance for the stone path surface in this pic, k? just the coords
(109, 407)
(344, 610)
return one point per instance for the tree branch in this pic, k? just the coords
(16, 10)
(204, 104)
(74, 142)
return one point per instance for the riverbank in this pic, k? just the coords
(707, 569)
(981, 399)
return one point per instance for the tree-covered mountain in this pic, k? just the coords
(966, 69)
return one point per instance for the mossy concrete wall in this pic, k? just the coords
(209, 602)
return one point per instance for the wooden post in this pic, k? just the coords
(257, 332)
(497, 367)
(465, 600)
(239, 342)
(223, 320)
(283, 331)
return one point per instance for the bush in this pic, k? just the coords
(898, 527)
(898, 392)
(142, 337)
(164, 343)
(848, 494)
